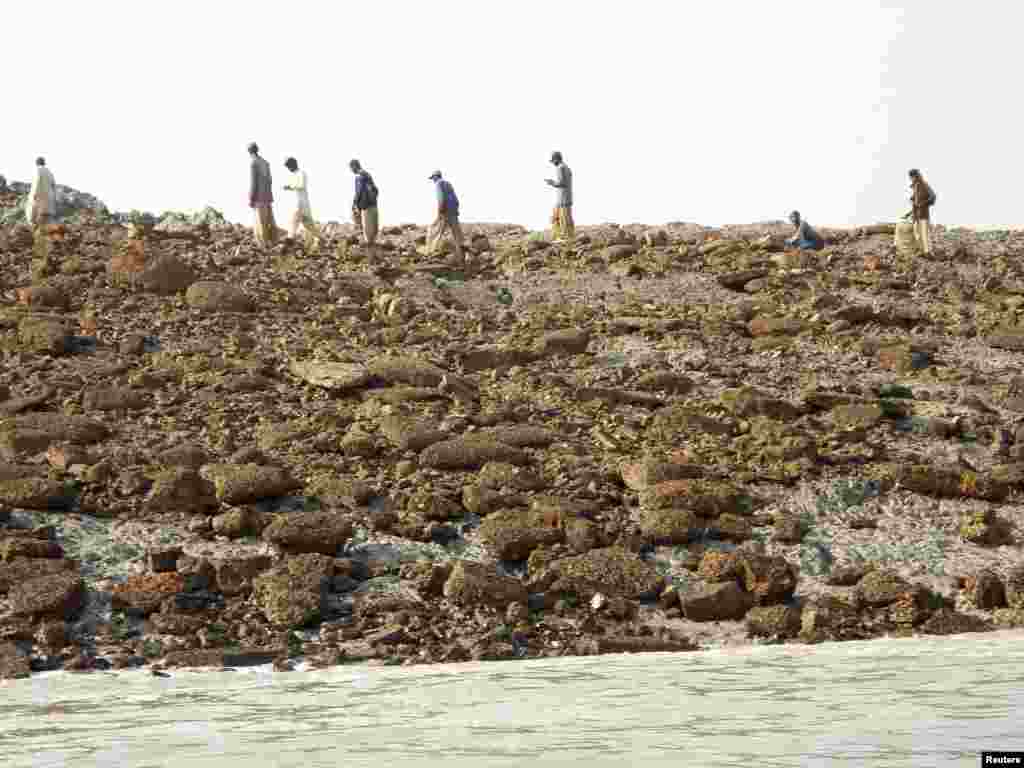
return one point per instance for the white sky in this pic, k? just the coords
(731, 111)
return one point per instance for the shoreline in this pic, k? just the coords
(659, 438)
(793, 649)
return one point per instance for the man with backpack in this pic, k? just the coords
(364, 205)
(922, 198)
(447, 216)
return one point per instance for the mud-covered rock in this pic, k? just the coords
(410, 434)
(470, 453)
(181, 489)
(60, 595)
(322, 532)
(47, 335)
(479, 584)
(212, 296)
(830, 617)
(397, 369)
(426, 578)
(724, 601)
(679, 422)
(650, 471)
(613, 571)
(882, 587)
(513, 534)
(335, 376)
(707, 498)
(32, 433)
(985, 590)
(776, 621)
(245, 483)
(13, 663)
(771, 579)
(295, 593)
(20, 569)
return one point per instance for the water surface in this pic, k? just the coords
(917, 702)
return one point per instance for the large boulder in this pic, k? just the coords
(25, 486)
(512, 534)
(470, 453)
(211, 296)
(181, 489)
(613, 571)
(336, 376)
(33, 433)
(295, 593)
(60, 595)
(724, 601)
(410, 434)
(305, 532)
(392, 369)
(478, 584)
(707, 498)
(166, 275)
(771, 579)
(245, 483)
(46, 335)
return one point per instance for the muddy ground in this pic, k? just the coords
(660, 438)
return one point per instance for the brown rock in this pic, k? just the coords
(781, 621)
(235, 576)
(13, 664)
(295, 592)
(716, 602)
(323, 532)
(650, 471)
(166, 275)
(513, 534)
(771, 580)
(17, 570)
(46, 335)
(210, 296)
(985, 591)
(613, 571)
(60, 595)
(113, 399)
(246, 483)
(470, 453)
(474, 583)
(181, 489)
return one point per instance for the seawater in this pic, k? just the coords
(897, 702)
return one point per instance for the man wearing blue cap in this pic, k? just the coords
(447, 216)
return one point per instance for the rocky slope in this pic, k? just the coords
(662, 439)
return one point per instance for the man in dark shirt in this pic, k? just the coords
(805, 238)
(922, 198)
(261, 198)
(364, 206)
(447, 217)
(562, 225)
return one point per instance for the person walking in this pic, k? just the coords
(298, 183)
(41, 206)
(261, 198)
(364, 206)
(562, 225)
(447, 216)
(806, 238)
(922, 198)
